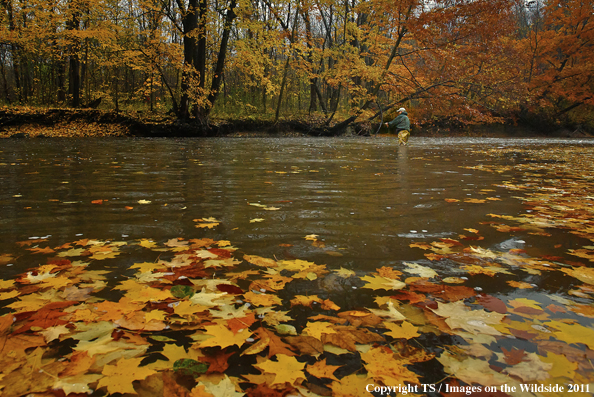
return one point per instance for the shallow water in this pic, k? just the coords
(504, 225)
(366, 200)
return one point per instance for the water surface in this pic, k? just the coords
(367, 199)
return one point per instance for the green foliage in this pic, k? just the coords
(187, 366)
(182, 291)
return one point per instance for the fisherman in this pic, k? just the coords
(402, 124)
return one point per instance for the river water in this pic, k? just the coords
(366, 199)
(356, 203)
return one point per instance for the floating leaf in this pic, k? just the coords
(187, 366)
(182, 291)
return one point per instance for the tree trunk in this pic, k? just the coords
(61, 83)
(200, 55)
(74, 63)
(4, 80)
(217, 78)
(190, 24)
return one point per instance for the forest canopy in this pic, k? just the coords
(465, 61)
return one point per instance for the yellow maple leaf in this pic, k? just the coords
(260, 261)
(476, 269)
(344, 273)
(421, 271)
(347, 384)
(454, 280)
(146, 267)
(285, 369)
(274, 317)
(262, 299)
(9, 295)
(223, 336)
(519, 284)
(318, 328)
(53, 333)
(58, 282)
(5, 259)
(391, 313)
(72, 252)
(380, 364)
(573, 333)
(562, 367)
(187, 308)
(158, 315)
(148, 294)
(295, 265)
(146, 243)
(118, 378)
(204, 298)
(584, 274)
(378, 282)
(423, 246)
(305, 300)
(225, 387)
(475, 201)
(458, 315)
(525, 302)
(200, 391)
(207, 222)
(406, 330)
(6, 284)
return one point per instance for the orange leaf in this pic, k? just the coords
(269, 339)
(321, 370)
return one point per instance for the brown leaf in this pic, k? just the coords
(230, 289)
(359, 318)
(413, 297)
(523, 334)
(306, 344)
(492, 303)
(47, 316)
(514, 356)
(346, 337)
(218, 362)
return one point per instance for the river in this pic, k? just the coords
(354, 203)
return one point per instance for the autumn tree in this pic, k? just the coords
(343, 61)
(559, 59)
(195, 29)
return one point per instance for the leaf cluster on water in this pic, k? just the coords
(203, 319)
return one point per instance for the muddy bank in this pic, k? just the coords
(48, 123)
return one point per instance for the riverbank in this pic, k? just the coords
(77, 123)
